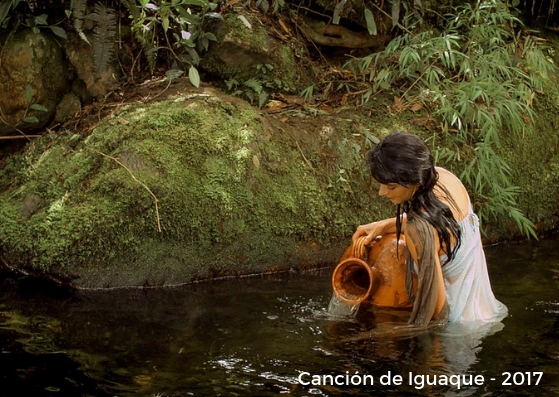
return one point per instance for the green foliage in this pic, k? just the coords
(78, 12)
(104, 34)
(34, 106)
(176, 26)
(26, 118)
(371, 24)
(36, 23)
(264, 5)
(350, 157)
(253, 89)
(478, 77)
(412, 12)
(308, 93)
(5, 8)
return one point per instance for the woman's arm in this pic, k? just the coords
(374, 229)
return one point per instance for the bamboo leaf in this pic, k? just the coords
(337, 11)
(4, 10)
(215, 15)
(371, 25)
(200, 3)
(245, 21)
(395, 13)
(477, 78)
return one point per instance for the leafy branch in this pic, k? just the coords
(25, 118)
(173, 26)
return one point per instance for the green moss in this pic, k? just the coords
(232, 197)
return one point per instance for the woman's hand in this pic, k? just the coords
(373, 230)
(370, 231)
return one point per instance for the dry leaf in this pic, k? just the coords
(275, 106)
(416, 106)
(425, 122)
(256, 161)
(284, 27)
(398, 104)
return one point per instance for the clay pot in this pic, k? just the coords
(376, 275)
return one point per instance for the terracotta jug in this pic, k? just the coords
(375, 275)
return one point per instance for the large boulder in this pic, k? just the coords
(33, 71)
(245, 51)
(184, 189)
(97, 83)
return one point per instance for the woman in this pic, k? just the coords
(443, 241)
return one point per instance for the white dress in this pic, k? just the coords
(468, 289)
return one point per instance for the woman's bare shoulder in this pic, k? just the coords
(455, 189)
(448, 179)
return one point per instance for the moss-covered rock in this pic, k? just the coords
(33, 71)
(187, 188)
(246, 52)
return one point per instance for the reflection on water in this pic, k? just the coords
(274, 335)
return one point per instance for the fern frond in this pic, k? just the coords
(254, 85)
(151, 55)
(103, 35)
(78, 13)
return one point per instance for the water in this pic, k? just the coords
(270, 336)
(341, 308)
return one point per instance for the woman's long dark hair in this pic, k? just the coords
(404, 158)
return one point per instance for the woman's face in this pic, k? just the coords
(397, 193)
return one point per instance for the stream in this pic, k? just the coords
(273, 335)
